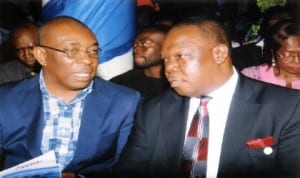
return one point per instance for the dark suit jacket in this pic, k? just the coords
(137, 80)
(257, 110)
(106, 122)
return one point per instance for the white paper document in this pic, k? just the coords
(44, 166)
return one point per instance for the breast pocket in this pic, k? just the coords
(263, 157)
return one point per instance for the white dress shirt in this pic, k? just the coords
(218, 108)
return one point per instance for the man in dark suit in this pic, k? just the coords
(84, 119)
(254, 127)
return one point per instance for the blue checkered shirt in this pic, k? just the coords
(62, 123)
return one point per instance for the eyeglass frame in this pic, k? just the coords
(288, 55)
(144, 43)
(67, 52)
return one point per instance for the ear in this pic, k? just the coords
(220, 53)
(40, 55)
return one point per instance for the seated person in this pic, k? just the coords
(215, 122)
(148, 75)
(65, 108)
(252, 53)
(22, 41)
(283, 56)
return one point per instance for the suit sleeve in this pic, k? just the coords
(134, 158)
(289, 146)
(127, 124)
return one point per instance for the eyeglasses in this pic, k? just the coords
(289, 55)
(143, 43)
(75, 53)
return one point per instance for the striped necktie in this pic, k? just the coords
(196, 144)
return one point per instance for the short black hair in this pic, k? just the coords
(210, 24)
(276, 13)
(155, 27)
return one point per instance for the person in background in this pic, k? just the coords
(84, 119)
(22, 39)
(255, 49)
(282, 56)
(270, 17)
(247, 128)
(148, 75)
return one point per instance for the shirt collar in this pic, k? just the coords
(225, 90)
(228, 88)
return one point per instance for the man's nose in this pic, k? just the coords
(170, 65)
(28, 53)
(296, 57)
(85, 58)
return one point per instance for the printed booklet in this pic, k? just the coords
(43, 166)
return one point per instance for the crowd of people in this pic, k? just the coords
(197, 103)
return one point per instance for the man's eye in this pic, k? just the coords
(73, 51)
(180, 56)
(147, 42)
(184, 56)
(94, 51)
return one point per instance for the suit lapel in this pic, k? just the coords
(32, 113)
(90, 123)
(241, 116)
(174, 114)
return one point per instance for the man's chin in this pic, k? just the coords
(31, 64)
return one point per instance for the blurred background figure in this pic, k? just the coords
(282, 65)
(12, 12)
(22, 40)
(250, 52)
(270, 18)
(148, 75)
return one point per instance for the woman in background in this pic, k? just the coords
(282, 56)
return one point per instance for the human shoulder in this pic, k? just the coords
(12, 66)
(127, 76)
(22, 84)
(168, 98)
(112, 89)
(12, 71)
(14, 89)
(12, 63)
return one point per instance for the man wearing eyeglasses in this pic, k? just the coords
(25, 65)
(147, 77)
(65, 108)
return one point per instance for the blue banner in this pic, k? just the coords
(112, 21)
